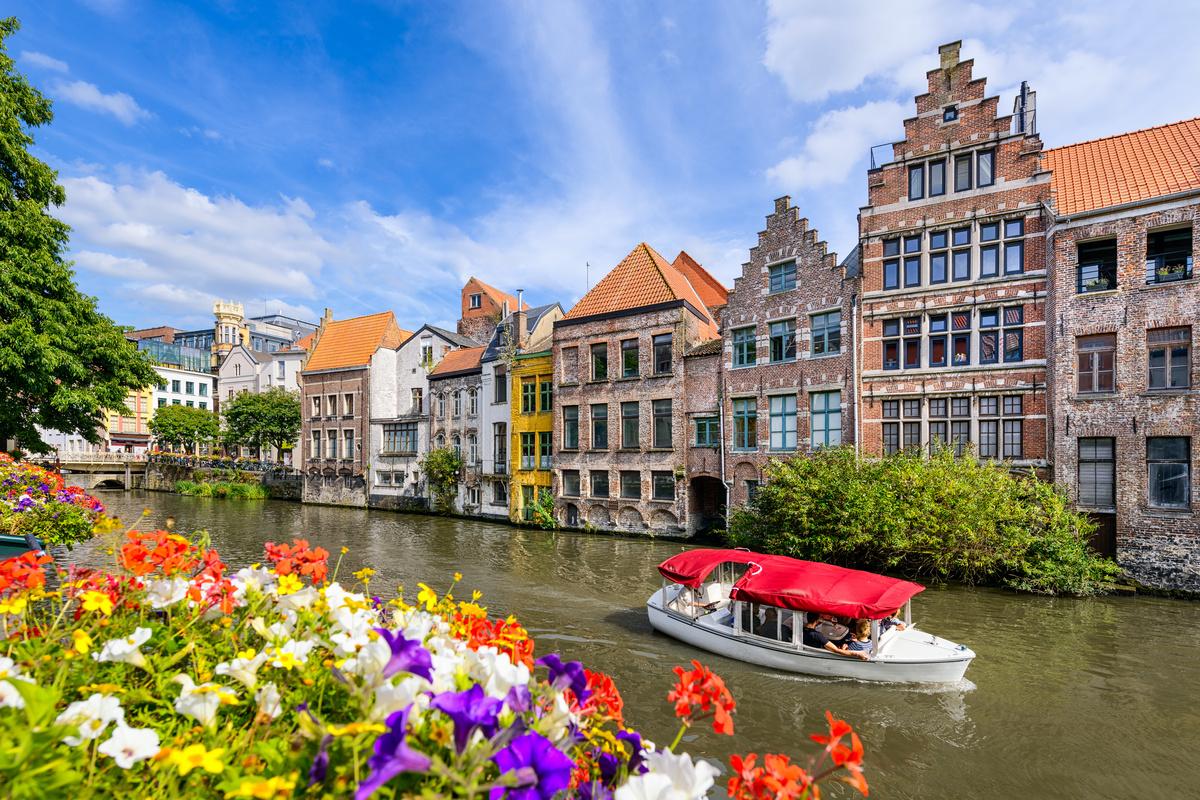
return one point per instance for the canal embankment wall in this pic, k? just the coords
(163, 477)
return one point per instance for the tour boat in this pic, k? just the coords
(717, 600)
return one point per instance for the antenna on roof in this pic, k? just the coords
(587, 277)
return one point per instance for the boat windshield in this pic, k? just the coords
(768, 622)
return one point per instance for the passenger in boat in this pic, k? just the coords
(770, 628)
(861, 638)
(891, 622)
(814, 638)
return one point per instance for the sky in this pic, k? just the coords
(372, 156)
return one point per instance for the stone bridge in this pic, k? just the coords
(91, 471)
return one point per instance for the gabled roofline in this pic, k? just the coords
(629, 312)
(456, 373)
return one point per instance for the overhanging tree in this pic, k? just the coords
(62, 362)
(184, 426)
(267, 418)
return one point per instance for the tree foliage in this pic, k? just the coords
(184, 426)
(934, 515)
(442, 466)
(62, 363)
(270, 418)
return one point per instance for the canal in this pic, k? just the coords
(1092, 698)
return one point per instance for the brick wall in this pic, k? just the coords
(445, 423)
(352, 382)
(809, 375)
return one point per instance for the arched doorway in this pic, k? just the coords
(706, 503)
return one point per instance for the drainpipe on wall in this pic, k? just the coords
(854, 373)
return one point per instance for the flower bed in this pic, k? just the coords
(172, 677)
(34, 500)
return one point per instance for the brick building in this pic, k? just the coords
(1123, 311)
(483, 307)
(335, 405)
(788, 352)
(706, 492)
(953, 283)
(621, 395)
(455, 420)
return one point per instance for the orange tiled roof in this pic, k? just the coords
(458, 360)
(643, 278)
(352, 342)
(1123, 169)
(499, 297)
(709, 288)
(302, 344)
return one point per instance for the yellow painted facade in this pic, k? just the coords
(128, 425)
(532, 430)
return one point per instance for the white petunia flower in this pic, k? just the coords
(651, 786)
(298, 601)
(166, 592)
(495, 671)
(11, 671)
(243, 669)
(685, 779)
(298, 649)
(278, 630)
(127, 746)
(395, 697)
(558, 720)
(126, 650)
(91, 716)
(251, 579)
(270, 701)
(201, 702)
(370, 660)
(351, 632)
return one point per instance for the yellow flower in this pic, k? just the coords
(428, 597)
(223, 693)
(197, 757)
(355, 728)
(14, 605)
(81, 641)
(345, 550)
(288, 660)
(102, 688)
(97, 601)
(457, 577)
(472, 610)
(247, 654)
(364, 574)
(265, 790)
(288, 584)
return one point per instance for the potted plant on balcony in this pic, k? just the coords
(1096, 285)
(1173, 272)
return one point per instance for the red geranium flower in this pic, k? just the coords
(701, 687)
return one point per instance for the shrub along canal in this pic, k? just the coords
(1089, 698)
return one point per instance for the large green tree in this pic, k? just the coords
(184, 426)
(62, 362)
(263, 419)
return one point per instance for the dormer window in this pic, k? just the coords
(477, 301)
(950, 114)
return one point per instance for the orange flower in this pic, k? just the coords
(23, 572)
(776, 780)
(703, 688)
(604, 701)
(298, 557)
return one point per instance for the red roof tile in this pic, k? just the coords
(1123, 169)
(352, 342)
(458, 360)
(643, 278)
(302, 344)
(499, 297)
(709, 288)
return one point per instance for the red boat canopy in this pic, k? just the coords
(799, 585)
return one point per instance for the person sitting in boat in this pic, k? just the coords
(861, 638)
(770, 628)
(891, 622)
(814, 638)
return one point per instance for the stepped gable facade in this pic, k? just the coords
(335, 405)
(620, 397)
(788, 352)
(953, 288)
(1125, 300)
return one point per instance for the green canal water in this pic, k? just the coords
(1091, 698)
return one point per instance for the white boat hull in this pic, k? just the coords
(909, 656)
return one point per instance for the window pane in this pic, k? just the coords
(962, 236)
(962, 350)
(962, 173)
(912, 272)
(891, 247)
(1169, 485)
(989, 232)
(912, 353)
(937, 240)
(891, 274)
(1014, 227)
(662, 353)
(937, 268)
(989, 261)
(891, 327)
(962, 265)
(629, 358)
(1014, 257)
(937, 177)
(916, 182)
(891, 355)
(937, 351)
(986, 162)
(937, 323)
(1167, 448)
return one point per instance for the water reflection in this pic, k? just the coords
(1067, 698)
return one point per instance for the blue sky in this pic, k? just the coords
(373, 156)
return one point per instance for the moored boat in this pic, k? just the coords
(751, 607)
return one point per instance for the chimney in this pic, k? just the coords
(949, 54)
(519, 321)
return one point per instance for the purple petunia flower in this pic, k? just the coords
(519, 699)
(594, 790)
(637, 762)
(320, 765)
(392, 756)
(470, 710)
(566, 676)
(408, 655)
(542, 770)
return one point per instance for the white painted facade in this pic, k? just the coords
(495, 425)
(185, 387)
(244, 370)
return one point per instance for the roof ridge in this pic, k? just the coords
(1121, 135)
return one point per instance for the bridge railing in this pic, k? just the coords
(83, 456)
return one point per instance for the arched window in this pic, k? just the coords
(441, 441)
(458, 404)
(472, 448)
(472, 402)
(456, 444)
(441, 406)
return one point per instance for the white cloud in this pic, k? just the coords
(819, 48)
(44, 61)
(88, 95)
(167, 243)
(838, 143)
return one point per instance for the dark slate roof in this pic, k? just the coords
(452, 337)
(532, 317)
(850, 265)
(711, 347)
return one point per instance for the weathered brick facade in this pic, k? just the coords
(334, 409)
(953, 279)
(1106, 413)
(706, 491)
(788, 351)
(482, 307)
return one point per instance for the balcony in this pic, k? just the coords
(1169, 267)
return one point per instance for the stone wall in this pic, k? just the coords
(335, 490)
(283, 489)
